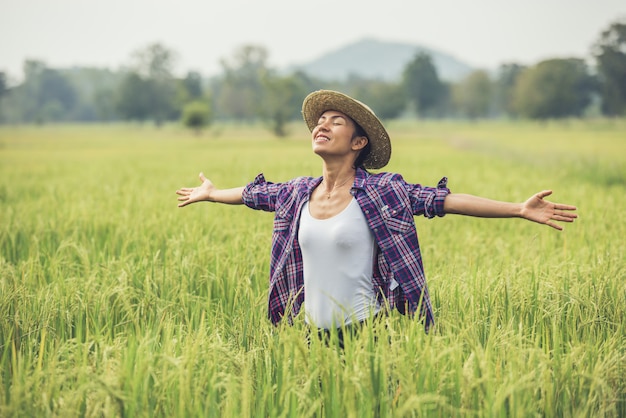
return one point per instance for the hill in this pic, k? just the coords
(371, 58)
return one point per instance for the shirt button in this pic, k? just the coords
(367, 211)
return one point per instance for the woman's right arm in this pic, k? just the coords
(207, 192)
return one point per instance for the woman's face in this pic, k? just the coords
(334, 135)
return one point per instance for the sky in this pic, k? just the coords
(482, 33)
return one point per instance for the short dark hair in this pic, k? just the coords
(360, 159)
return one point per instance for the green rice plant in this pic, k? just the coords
(115, 303)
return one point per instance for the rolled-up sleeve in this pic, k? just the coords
(261, 194)
(428, 201)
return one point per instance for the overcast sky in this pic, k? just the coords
(483, 33)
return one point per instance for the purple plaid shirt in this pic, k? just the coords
(388, 203)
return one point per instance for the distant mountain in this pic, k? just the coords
(371, 58)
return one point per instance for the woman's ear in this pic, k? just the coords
(359, 142)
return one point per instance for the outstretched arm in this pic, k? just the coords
(207, 192)
(535, 209)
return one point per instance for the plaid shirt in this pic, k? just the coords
(388, 203)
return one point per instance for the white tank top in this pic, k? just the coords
(338, 257)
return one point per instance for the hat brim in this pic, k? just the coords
(318, 102)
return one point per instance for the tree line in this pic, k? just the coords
(249, 90)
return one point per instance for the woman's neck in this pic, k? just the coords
(337, 175)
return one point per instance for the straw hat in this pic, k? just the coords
(320, 101)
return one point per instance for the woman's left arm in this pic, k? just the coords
(535, 209)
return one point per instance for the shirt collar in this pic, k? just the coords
(360, 178)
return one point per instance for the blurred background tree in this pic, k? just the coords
(387, 100)
(4, 89)
(240, 92)
(472, 96)
(555, 88)
(505, 87)
(282, 102)
(133, 99)
(423, 86)
(610, 55)
(45, 95)
(148, 91)
(197, 115)
(190, 87)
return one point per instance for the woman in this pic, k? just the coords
(346, 241)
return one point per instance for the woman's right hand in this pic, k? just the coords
(189, 195)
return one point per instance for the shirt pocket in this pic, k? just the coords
(398, 219)
(283, 219)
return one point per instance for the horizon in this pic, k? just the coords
(484, 34)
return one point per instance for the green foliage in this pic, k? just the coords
(46, 95)
(197, 115)
(3, 92)
(505, 87)
(149, 90)
(133, 98)
(3, 84)
(155, 61)
(155, 311)
(282, 102)
(240, 94)
(555, 88)
(473, 95)
(423, 86)
(192, 86)
(388, 100)
(610, 54)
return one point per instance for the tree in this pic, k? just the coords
(154, 62)
(192, 84)
(3, 84)
(610, 54)
(197, 115)
(133, 100)
(282, 102)
(149, 89)
(472, 96)
(423, 85)
(387, 100)
(555, 88)
(104, 104)
(505, 85)
(240, 95)
(189, 89)
(57, 89)
(3, 92)
(44, 95)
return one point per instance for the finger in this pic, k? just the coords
(202, 178)
(563, 218)
(182, 199)
(555, 226)
(564, 207)
(543, 193)
(565, 214)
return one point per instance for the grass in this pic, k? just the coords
(115, 303)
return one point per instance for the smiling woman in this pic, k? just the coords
(344, 246)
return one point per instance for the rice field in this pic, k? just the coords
(116, 303)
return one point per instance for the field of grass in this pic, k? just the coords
(116, 303)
